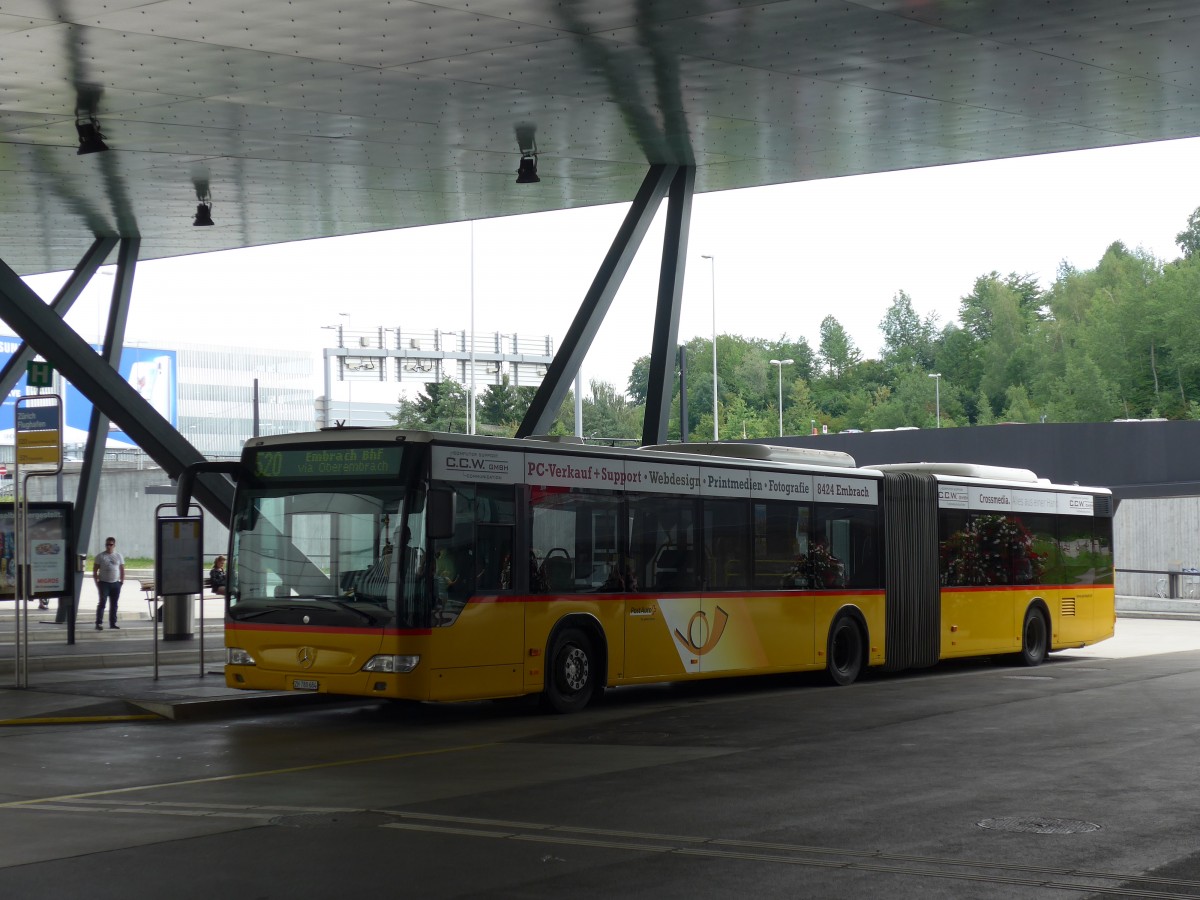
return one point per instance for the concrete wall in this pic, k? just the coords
(1156, 534)
(125, 510)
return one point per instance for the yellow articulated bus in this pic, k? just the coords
(407, 564)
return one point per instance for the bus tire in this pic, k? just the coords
(845, 653)
(1035, 638)
(571, 678)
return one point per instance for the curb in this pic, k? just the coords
(252, 703)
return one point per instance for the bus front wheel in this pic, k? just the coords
(571, 679)
(846, 651)
(1035, 638)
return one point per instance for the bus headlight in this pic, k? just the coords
(236, 656)
(391, 663)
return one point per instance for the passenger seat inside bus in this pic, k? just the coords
(667, 574)
(559, 572)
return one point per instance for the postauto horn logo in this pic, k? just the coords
(701, 637)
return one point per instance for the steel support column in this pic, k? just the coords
(110, 353)
(661, 381)
(549, 397)
(36, 323)
(12, 370)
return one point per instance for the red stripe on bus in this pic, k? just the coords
(324, 629)
(642, 597)
(1022, 587)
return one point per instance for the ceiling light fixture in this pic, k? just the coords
(527, 170)
(204, 212)
(90, 138)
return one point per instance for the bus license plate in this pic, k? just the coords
(302, 685)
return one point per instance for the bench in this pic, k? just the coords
(151, 595)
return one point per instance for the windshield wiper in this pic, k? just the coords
(342, 604)
(300, 607)
(255, 613)
(354, 609)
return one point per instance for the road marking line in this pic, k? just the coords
(78, 720)
(801, 855)
(13, 804)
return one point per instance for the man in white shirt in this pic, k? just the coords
(108, 573)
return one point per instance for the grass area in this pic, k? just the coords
(131, 562)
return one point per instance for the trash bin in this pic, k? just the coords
(178, 617)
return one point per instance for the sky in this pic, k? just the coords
(784, 257)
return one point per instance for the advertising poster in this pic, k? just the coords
(49, 547)
(153, 373)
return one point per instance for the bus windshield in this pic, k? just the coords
(341, 555)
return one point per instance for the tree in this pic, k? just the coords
(799, 411)
(498, 404)
(1019, 408)
(638, 386)
(442, 407)
(837, 351)
(1189, 239)
(913, 402)
(908, 341)
(977, 309)
(608, 414)
(983, 410)
(957, 357)
(1083, 394)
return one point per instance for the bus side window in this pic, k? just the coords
(952, 537)
(851, 535)
(573, 540)
(1077, 551)
(663, 541)
(782, 555)
(478, 554)
(726, 543)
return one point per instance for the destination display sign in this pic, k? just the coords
(333, 462)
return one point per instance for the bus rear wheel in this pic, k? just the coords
(1035, 638)
(846, 651)
(571, 678)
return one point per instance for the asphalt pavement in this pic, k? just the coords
(971, 779)
(107, 674)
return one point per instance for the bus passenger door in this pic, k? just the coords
(663, 618)
(658, 635)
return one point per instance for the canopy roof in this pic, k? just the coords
(311, 119)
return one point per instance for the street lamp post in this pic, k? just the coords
(781, 363)
(937, 382)
(349, 385)
(712, 272)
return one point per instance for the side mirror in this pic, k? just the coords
(439, 514)
(247, 519)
